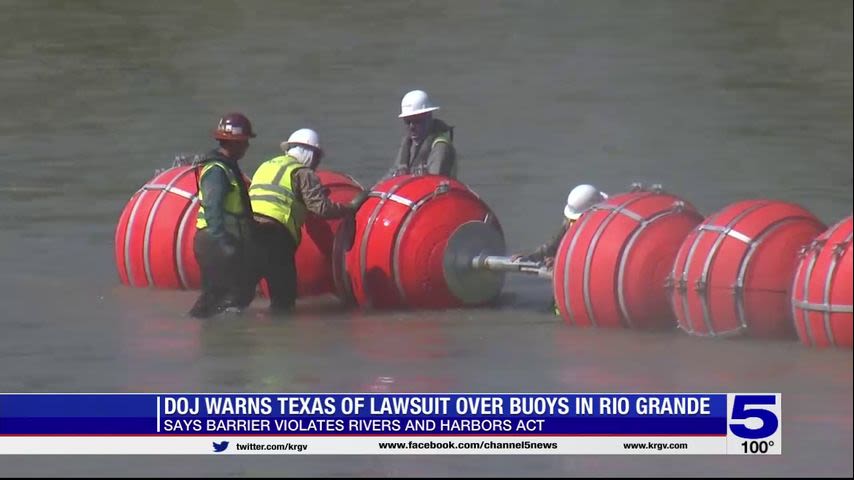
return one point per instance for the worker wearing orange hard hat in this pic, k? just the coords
(579, 200)
(224, 223)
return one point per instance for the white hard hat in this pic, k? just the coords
(580, 199)
(415, 102)
(303, 136)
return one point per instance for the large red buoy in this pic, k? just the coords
(822, 291)
(733, 272)
(611, 265)
(412, 242)
(154, 236)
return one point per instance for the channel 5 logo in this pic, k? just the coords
(754, 416)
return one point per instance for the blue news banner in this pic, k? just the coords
(392, 423)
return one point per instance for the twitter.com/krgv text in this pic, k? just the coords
(249, 446)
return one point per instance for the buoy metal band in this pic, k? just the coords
(146, 252)
(701, 286)
(615, 210)
(414, 205)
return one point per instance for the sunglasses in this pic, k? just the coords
(415, 120)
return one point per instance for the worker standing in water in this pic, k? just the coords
(427, 146)
(224, 222)
(283, 190)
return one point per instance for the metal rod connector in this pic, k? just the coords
(506, 264)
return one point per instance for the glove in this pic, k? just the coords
(397, 171)
(520, 257)
(359, 199)
(394, 172)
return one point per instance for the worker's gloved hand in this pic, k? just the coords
(394, 172)
(397, 171)
(359, 199)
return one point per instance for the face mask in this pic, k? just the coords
(305, 155)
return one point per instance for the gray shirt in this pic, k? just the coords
(428, 155)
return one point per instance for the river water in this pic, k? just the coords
(718, 101)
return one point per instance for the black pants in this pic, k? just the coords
(226, 276)
(277, 263)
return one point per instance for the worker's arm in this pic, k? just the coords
(315, 197)
(548, 249)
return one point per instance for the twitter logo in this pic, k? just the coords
(220, 447)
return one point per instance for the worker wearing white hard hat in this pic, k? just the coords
(427, 146)
(284, 189)
(579, 200)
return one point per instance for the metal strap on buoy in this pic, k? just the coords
(169, 188)
(441, 189)
(738, 288)
(384, 197)
(128, 264)
(621, 209)
(678, 206)
(826, 308)
(568, 267)
(702, 283)
(680, 281)
(162, 189)
(189, 212)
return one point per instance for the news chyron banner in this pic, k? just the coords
(391, 424)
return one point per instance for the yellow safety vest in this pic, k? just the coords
(235, 211)
(445, 137)
(272, 193)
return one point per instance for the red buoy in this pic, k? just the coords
(612, 264)
(155, 232)
(822, 291)
(733, 272)
(411, 245)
